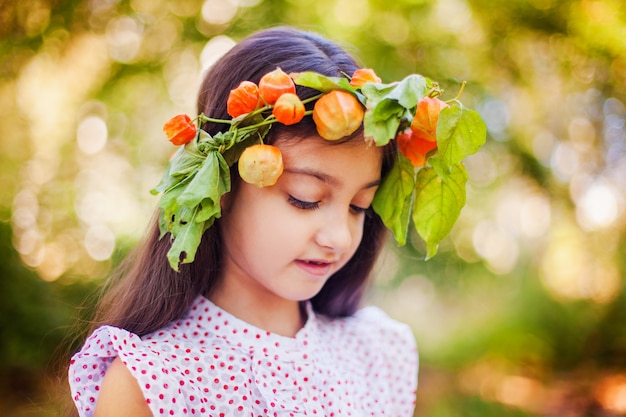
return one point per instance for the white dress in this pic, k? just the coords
(211, 363)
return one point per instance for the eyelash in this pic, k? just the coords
(305, 205)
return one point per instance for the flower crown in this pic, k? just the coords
(426, 184)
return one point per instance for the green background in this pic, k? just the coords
(523, 311)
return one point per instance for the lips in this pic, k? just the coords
(316, 267)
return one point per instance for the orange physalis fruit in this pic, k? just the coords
(243, 99)
(274, 84)
(288, 109)
(180, 129)
(362, 76)
(337, 114)
(260, 165)
(415, 146)
(427, 116)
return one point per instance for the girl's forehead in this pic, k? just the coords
(317, 153)
(312, 146)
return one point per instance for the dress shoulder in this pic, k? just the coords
(89, 365)
(371, 339)
(375, 318)
(373, 327)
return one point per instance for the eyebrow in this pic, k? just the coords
(325, 178)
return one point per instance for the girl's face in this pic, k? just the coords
(283, 242)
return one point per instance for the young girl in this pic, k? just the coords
(261, 315)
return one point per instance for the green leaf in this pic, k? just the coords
(393, 199)
(186, 160)
(218, 142)
(382, 131)
(208, 210)
(189, 155)
(460, 132)
(321, 82)
(211, 181)
(382, 117)
(387, 104)
(169, 207)
(406, 93)
(168, 199)
(438, 204)
(171, 211)
(188, 234)
(409, 91)
(191, 207)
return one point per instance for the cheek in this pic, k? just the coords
(357, 234)
(262, 221)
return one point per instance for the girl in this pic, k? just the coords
(261, 316)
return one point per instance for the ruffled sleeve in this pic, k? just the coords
(88, 367)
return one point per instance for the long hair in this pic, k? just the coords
(145, 294)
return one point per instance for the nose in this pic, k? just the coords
(337, 232)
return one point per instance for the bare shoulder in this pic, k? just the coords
(120, 394)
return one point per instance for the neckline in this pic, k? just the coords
(243, 334)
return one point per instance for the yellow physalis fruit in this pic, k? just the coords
(427, 117)
(362, 76)
(415, 146)
(288, 109)
(243, 99)
(274, 84)
(261, 165)
(337, 114)
(180, 129)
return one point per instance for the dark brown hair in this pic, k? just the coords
(145, 294)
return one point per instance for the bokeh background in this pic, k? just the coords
(523, 311)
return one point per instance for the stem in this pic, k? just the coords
(231, 122)
(435, 90)
(458, 96)
(205, 119)
(255, 126)
(310, 99)
(259, 110)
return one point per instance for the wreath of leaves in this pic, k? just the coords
(429, 197)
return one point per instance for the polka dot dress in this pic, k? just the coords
(212, 364)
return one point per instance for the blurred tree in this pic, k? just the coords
(33, 327)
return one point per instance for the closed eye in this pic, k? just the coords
(308, 205)
(358, 210)
(303, 205)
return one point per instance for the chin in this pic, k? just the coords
(302, 295)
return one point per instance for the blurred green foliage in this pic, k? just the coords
(521, 313)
